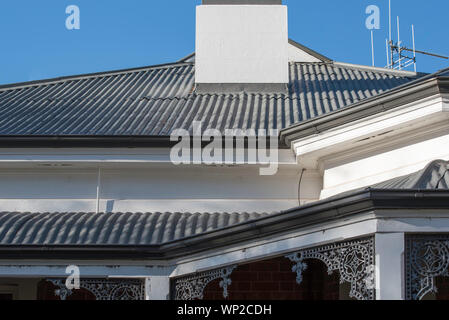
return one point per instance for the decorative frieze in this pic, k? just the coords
(427, 257)
(192, 288)
(354, 260)
(105, 289)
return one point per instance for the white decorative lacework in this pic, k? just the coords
(354, 260)
(105, 289)
(192, 287)
(427, 257)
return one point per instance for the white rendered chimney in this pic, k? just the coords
(241, 45)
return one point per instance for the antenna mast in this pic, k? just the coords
(414, 48)
(372, 47)
(399, 58)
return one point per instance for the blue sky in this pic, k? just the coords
(123, 34)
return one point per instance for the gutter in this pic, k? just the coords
(84, 141)
(292, 220)
(98, 142)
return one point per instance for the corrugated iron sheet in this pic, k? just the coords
(434, 176)
(144, 229)
(154, 101)
(113, 229)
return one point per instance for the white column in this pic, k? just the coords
(390, 266)
(157, 288)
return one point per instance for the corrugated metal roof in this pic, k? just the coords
(146, 229)
(434, 176)
(153, 101)
(113, 229)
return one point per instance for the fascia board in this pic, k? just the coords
(384, 125)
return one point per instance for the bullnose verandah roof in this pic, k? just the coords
(115, 230)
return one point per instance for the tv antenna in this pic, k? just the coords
(400, 57)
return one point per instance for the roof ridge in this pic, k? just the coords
(81, 99)
(378, 69)
(93, 74)
(186, 58)
(309, 51)
(423, 175)
(402, 73)
(184, 63)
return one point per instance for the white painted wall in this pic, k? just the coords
(390, 265)
(157, 288)
(241, 44)
(144, 180)
(154, 188)
(379, 148)
(383, 164)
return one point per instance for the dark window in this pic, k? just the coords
(6, 296)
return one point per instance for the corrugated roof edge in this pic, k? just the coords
(187, 58)
(368, 200)
(91, 75)
(183, 62)
(403, 73)
(414, 180)
(421, 87)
